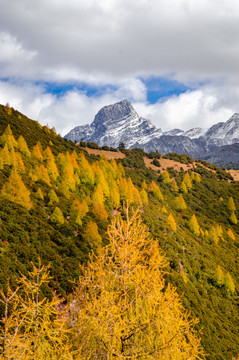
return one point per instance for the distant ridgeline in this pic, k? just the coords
(57, 202)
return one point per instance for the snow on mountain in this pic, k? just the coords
(120, 122)
(195, 133)
(114, 124)
(224, 133)
(174, 132)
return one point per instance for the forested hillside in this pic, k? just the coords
(57, 202)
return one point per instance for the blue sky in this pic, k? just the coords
(176, 61)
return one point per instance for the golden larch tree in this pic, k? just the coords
(5, 155)
(39, 194)
(155, 190)
(144, 196)
(8, 138)
(193, 225)
(22, 146)
(33, 329)
(15, 190)
(183, 187)
(57, 216)
(230, 234)
(231, 205)
(187, 180)
(114, 196)
(123, 309)
(171, 222)
(180, 203)
(229, 284)
(174, 186)
(92, 236)
(165, 177)
(53, 198)
(220, 278)
(78, 210)
(99, 211)
(37, 152)
(233, 218)
(51, 164)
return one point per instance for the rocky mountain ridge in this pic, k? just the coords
(120, 122)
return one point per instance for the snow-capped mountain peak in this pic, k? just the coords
(114, 124)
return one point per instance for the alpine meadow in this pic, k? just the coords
(113, 253)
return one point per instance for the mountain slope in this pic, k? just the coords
(72, 199)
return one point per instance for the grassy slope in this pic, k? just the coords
(26, 235)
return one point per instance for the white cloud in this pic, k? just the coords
(69, 109)
(199, 108)
(114, 43)
(203, 107)
(120, 39)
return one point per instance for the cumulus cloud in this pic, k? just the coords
(69, 109)
(199, 108)
(122, 38)
(113, 45)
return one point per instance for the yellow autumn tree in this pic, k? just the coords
(40, 194)
(183, 187)
(53, 198)
(57, 216)
(22, 146)
(8, 138)
(67, 176)
(155, 190)
(230, 234)
(231, 205)
(165, 178)
(180, 203)
(92, 236)
(171, 222)
(37, 152)
(123, 189)
(78, 210)
(99, 211)
(144, 185)
(5, 155)
(187, 180)
(18, 164)
(233, 218)
(220, 278)
(229, 284)
(98, 195)
(64, 189)
(144, 196)
(174, 185)
(114, 196)
(33, 328)
(16, 191)
(133, 193)
(85, 171)
(122, 308)
(42, 174)
(193, 225)
(184, 276)
(213, 235)
(51, 164)
(100, 180)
